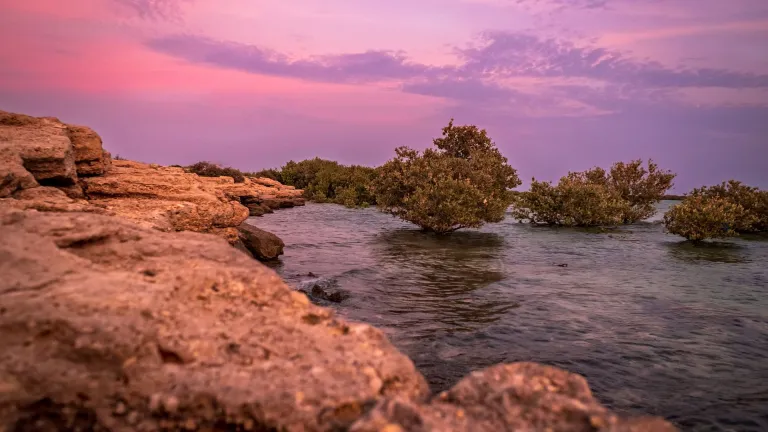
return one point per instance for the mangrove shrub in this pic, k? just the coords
(627, 193)
(329, 181)
(702, 217)
(753, 200)
(463, 182)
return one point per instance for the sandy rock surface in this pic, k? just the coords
(43, 151)
(124, 327)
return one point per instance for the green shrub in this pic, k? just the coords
(271, 173)
(463, 183)
(704, 217)
(328, 181)
(575, 201)
(625, 194)
(208, 169)
(753, 200)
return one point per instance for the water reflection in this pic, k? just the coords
(719, 252)
(440, 276)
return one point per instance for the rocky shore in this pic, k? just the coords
(125, 307)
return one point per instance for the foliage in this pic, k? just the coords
(329, 181)
(462, 183)
(209, 169)
(753, 200)
(701, 217)
(271, 173)
(625, 194)
(575, 201)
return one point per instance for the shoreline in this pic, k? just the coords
(124, 310)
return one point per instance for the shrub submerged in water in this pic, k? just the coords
(704, 217)
(753, 200)
(626, 194)
(462, 183)
(719, 211)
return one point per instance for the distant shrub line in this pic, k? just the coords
(463, 181)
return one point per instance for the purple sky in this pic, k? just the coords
(559, 84)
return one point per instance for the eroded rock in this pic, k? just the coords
(264, 245)
(507, 397)
(90, 157)
(44, 151)
(13, 176)
(164, 198)
(260, 195)
(120, 327)
(43, 145)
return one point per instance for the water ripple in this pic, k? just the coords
(658, 326)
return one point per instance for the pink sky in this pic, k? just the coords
(558, 84)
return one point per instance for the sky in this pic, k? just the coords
(560, 85)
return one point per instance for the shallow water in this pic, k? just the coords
(656, 325)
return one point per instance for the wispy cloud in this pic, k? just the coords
(516, 54)
(155, 9)
(595, 76)
(369, 66)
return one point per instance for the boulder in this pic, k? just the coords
(258, 209)
(42, 144)
(110, 326)
(13, 176)
(331, 295)
(507, 397)
(324, 290)
(90, 157)
(264, 245)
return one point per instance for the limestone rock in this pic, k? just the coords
(165, 198)
(43, 145)
(507, 397)
(262, 192)
(90, 157)
(44, 151)
(13, 175)
(109, 326)
(258, 209)
(47, 198)
(264, 245)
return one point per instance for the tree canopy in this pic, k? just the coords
(463, 182)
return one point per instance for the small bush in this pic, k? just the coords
(753, 200)
(462, 183)
(208, 169)
(328, 181)
(575, 201)
(627, 193)
(704, 217)
(271, 173)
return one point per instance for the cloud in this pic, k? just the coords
(559, 75)
(170, 10)
(517, 54)
(547, 4)
(365, 67)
